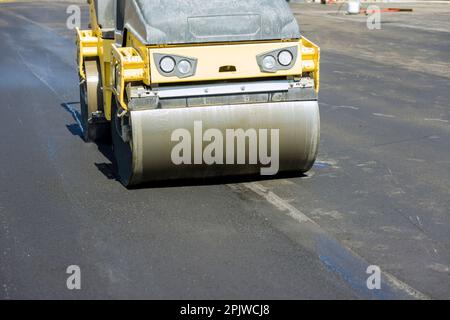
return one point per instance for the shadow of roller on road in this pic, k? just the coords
(76, 129)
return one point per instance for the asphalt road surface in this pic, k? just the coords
(378, 195)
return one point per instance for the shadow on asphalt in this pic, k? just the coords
(217, 181)
(104, 147)
(108, 169)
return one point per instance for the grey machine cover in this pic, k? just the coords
(198, 21)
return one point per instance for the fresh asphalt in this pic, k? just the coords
(378, 195)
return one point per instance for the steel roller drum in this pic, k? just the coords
(152, 145)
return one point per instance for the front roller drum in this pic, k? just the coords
(146, 153)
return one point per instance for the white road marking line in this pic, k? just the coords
(404, 287)
(439, 120)
(415, 160)
(345, 107)
(404, 25)
(52, 89)
(383, 115)
(293, 212)
(278, 202)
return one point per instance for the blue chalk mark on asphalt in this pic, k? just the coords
(352, 269)
(75, 115)
(321, 165)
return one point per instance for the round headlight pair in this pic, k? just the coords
(168, 64)
(284, 58)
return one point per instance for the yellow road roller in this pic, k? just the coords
(195, 89)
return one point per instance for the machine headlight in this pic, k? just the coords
(184, 67)
(269, 62)
(171, 65)
(167, 64)
(285, 58)
(278, 60)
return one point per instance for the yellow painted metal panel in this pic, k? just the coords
(87, 47)
(211, 58)
(129, 67)
(311, 60)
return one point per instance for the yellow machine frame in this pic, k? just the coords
(134, 62)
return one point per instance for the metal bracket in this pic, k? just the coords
(140, 97)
